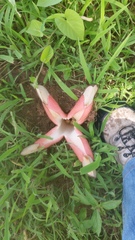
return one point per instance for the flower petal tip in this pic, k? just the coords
(89, 94)
(43, 94)
(30, 149)
(92, 174)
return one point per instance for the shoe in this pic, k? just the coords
(119, 131)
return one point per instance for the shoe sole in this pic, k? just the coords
(116, 120)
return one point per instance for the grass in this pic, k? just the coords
(47, 195)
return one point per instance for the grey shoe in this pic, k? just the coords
(119, 131)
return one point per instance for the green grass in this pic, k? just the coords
(47, 195)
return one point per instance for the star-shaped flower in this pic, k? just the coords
(65, 125)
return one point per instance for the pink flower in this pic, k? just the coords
(64, 125)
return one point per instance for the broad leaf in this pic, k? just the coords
(92, 166)
(82, 214)
(47, 3)
(7, 58)
(93, 202)
(47, 54)
(71, 26)
(96, 222)
(35, 28)
(112, 204)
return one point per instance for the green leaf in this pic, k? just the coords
(5, 140)
(112, 204)
(120, 5)
(82, 129)
(25, 177)
(55, 15)
(8, 153)
(82, 214)
(61, 168)
(82, 198)
(47, 54)
(84, 65)
(35, 28)
(92, 201)
(9, 103)
(47, 3)
(96, 222)
(49, 207)
(7, 234)
(102, 182)
(87, 198)
(114, 16)
(29, 203)
(5, 197)
(72, 26)
(100, 35)
(117, 52)
(92, 166)
(63, 86)
(12, 2)
(87, 224)
(7, 58)
(86, 4)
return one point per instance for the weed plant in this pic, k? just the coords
(47, 196)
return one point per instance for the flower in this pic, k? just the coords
(65, 125)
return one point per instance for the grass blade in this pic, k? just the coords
(84, 65)
(63, 86)
(102, 11)
(117, 52)
(6, 154)
(100, 35)
(7, 232)
(61, 168)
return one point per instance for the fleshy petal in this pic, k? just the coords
(51, 107)
(30, 149)
(83, 106)
(78, 143)
(55, 135)
(80, 146)
(52, 137)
